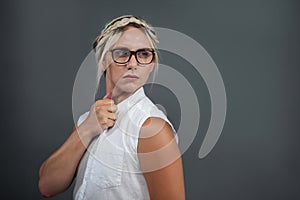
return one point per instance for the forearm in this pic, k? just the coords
(57, 172)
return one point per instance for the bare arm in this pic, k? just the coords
(57, 172)
(160, 161)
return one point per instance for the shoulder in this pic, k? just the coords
(156, 130)
(157, 146)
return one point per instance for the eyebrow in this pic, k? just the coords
(122, 47)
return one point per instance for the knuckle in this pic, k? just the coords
(104, 120)
(111, 123)
(114, 107)
(107, 101)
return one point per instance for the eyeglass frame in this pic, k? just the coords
(135, 55)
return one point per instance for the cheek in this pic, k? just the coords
(150, 69)
(116, 72)
(145, 74)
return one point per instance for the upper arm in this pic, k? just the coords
(160, 160)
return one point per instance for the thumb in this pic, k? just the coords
(108, 95)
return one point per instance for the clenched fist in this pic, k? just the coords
(102, 116)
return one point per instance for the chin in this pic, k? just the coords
(130, 89)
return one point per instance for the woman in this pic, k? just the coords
(124, 147)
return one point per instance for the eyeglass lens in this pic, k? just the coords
(123, 55)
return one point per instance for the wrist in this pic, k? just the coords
(85, 135)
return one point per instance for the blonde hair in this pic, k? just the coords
(113, 31)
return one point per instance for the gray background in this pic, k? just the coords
(254, 43)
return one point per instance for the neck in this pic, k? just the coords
(120, 97)
(117, 95)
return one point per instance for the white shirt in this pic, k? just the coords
(110, 169)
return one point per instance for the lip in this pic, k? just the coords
(130, 77)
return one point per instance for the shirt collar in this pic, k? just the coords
(133, 99)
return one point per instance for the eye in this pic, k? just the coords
(144, 53)
(118, 53)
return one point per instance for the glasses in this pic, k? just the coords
(142, 56)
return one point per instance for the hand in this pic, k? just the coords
(102, 116)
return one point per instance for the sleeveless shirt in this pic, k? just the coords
(110, 170)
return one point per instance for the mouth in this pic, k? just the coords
(130, 77)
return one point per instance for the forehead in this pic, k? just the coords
(133, 38)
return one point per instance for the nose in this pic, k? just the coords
(132, 63)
